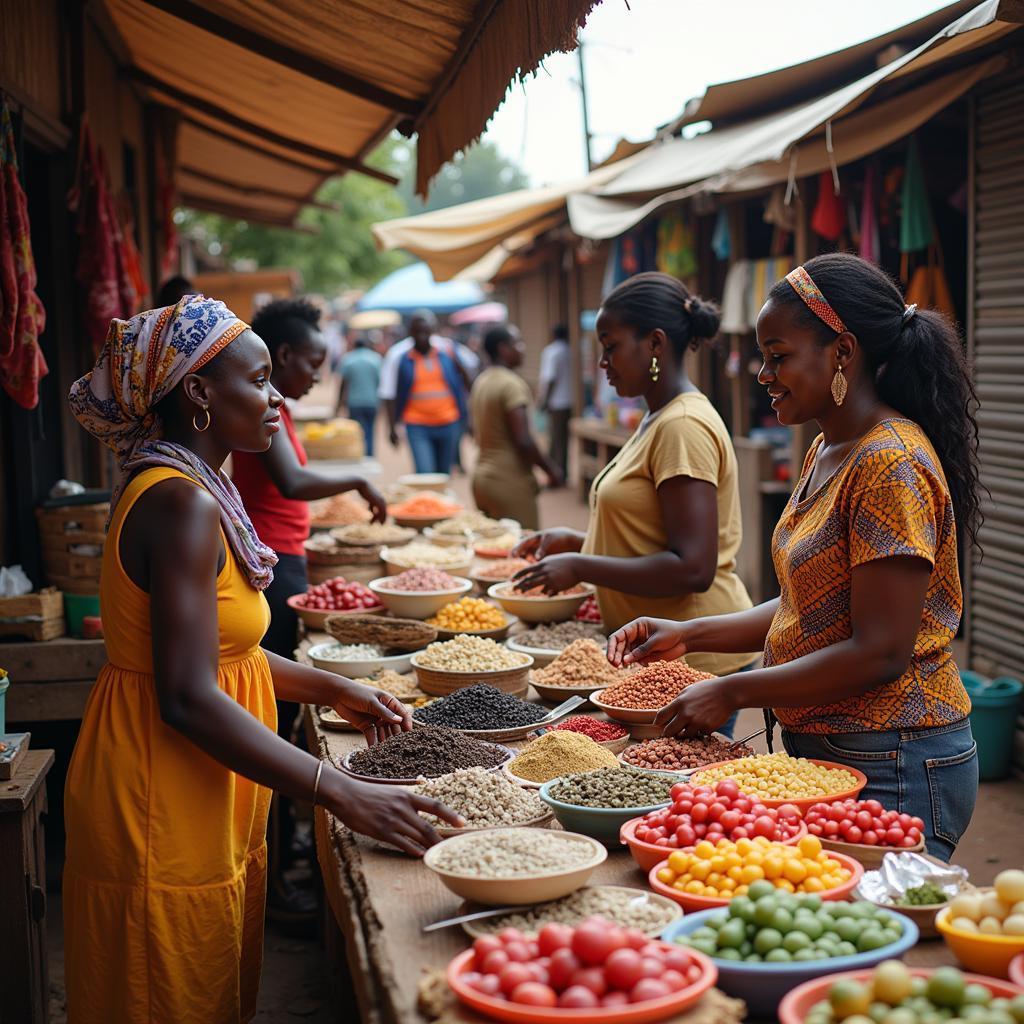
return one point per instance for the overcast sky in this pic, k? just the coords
(643, 63)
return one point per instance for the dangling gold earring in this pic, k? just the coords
(839, 387)
(205, 426)
(655, 369)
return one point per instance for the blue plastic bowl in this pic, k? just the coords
(600, 823)
(762, 986)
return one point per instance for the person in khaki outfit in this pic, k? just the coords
(503, 480)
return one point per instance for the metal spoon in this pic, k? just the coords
(479, 915)
(753, 735)
(564, 708)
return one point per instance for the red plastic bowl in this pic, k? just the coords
(1017, 970)
(804, 805)
(648, 854)
(634, 1013)
(796, 1005)
(690, 902)
(316, 618)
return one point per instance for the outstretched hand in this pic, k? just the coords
(375, 713)
(645, 640)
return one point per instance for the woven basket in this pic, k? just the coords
(439, 683)
(39, 616)
(60, 529)
(341, 447)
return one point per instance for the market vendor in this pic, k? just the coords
(858, 664)
(276, 486)
(168, 787)
(664, 526)
(500, 402)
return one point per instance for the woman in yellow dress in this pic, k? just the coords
(169, 784)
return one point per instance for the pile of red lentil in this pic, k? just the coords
(600, 732)
(653, 686)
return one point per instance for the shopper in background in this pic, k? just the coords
(360, 379)
(665, 512)
(858, 660)
(173, 290)
(423, 386)
(555, 381)
(503, 480)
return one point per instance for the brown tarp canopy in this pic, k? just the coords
(275, 95)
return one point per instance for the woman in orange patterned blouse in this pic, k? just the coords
(858, 665)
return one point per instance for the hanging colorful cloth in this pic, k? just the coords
(676, 247)
(22, 317)
(721, 237)
(829, 217)
(870, 241)
(916, 229)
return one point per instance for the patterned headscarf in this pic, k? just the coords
(142, 361)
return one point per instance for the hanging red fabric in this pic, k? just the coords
(22, 317)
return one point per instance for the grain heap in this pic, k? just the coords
(420, 554)
(419, 580)
(667, 753)
(513, 853)
(558, 636)
(426, 752)
(502, 569)
(560, 753)
(628, 908)
(653, 686)
(339, 510)
(470, 654)
(425, 504)
(485, 799)
(401, 686)
(614, 787)
(582, 663)
(350, 652)
(480, 707)
(497, 547)
(470, 522)
(373, 533)
(470, 615)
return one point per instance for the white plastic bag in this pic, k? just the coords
(14, 582)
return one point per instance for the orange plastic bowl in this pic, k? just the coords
(804, 805)
(634, 1013)
(797, 1004)
(690, 902)
(990, 954)
(648, 854)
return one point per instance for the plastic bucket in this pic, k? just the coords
(4, 683)
(78, 607)
(994, 706)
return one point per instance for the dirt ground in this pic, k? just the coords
(294, 985)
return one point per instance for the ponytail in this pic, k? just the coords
(918, 361)
(646, 302)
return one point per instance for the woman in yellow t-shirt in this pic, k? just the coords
(664, 525)
(857, 647)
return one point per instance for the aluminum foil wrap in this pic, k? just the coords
(902, 871)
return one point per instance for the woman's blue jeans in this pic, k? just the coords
(433, 448)
(929, 773)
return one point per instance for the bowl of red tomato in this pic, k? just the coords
(596, 971)
(336, 596)
(716, 812)
(864, 829)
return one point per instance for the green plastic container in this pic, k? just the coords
(77, 607)
(4, 683)
(994, 704)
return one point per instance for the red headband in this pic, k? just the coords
(813, 298)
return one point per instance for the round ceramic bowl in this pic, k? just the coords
(400, 535)
(401, 662)
(600, 823)
(455, 568)
(416, 604)
(447, 540)
(540, 821)
(518, 890)
(421, 522)
(761, 986)
(560, 693)
(690, 902)
(922, 916)
(647, 855)
(316, 618)
(519, 732)
(493, 634)
(797, 1004)
(671, 1006)
(538, 609)
(345, 765)
(805, 804)
(986, 954)
(424, 481)
(626, 716)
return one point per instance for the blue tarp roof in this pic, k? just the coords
(414, 287)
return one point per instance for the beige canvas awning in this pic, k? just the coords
(276, 95)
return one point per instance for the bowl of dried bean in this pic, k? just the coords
(449, 665)
(419, 593)
(536, 606)
(544, 643)
(640, 695)
(672, 754)
(423, 555)
(483, 711)
(515, 866)
(582, 668)
(486, 573)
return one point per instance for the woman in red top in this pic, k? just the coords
(276, 486)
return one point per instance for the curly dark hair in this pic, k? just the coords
(285, 321)
(651, 300)
(919, 365)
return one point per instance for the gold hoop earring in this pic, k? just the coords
(839, 387)
(205, 426)
(655, 370)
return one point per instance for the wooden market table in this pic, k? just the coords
(51, 679)
(381, 899)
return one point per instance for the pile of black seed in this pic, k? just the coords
(426, 752)
(480, 707)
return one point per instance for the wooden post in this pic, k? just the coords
(739, 386)
(803, 433)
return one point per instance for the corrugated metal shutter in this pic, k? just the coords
(996, 616)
